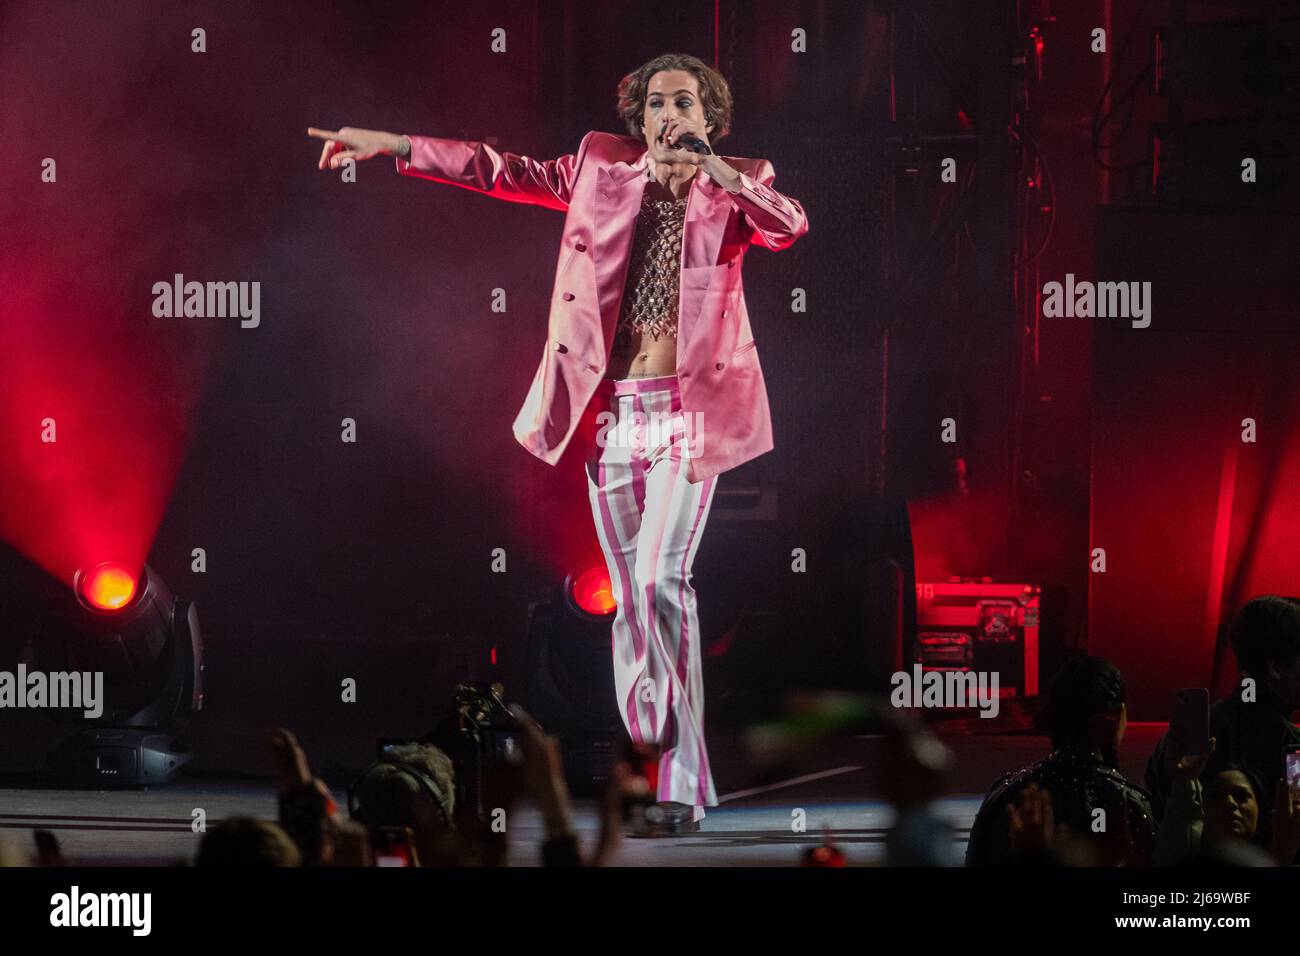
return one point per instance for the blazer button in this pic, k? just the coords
(581, 247)
(719, 366)
(731, 264)
(568, 297)
(561, 347)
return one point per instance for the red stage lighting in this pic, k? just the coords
(108, 586)
(120, 619)
(591, 591)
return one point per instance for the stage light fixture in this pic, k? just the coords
(146, 642)
(108, 586)
(570, 688)
(591, 593)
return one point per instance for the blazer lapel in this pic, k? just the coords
(618, 198)
(619, 192)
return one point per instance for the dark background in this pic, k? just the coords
(373, 560)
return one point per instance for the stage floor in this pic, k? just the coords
(751, 827)
(153, 828)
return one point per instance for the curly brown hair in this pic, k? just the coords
(715, 93)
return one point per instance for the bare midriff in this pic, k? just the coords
(645, 344)
(642, 356)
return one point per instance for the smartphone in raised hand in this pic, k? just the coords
(1291, 767)
(1191, 725)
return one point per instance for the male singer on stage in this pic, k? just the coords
(650, 360)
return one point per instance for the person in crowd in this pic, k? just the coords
(543, 775)
(412, 787)
(247, 842)
(1252, 725)
(1219, 823)
(1076, 791)
(309, 813)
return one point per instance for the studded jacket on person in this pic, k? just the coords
(1080, 784)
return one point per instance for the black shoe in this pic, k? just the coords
(671, 818)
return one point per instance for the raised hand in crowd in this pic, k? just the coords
(309, 812)
(1286, 824)
(543, 776)
(1031, 827)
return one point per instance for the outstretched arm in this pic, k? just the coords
(477, 166)
(466, 163)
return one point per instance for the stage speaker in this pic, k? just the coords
(839, 616)
(872, 542)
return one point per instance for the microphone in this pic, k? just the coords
(689, 141)
(694, 144)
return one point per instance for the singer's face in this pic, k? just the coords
(671, 94)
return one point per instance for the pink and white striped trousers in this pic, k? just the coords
(649, 519)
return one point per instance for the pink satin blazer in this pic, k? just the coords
(600, 189)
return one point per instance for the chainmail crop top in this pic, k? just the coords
(653, 279)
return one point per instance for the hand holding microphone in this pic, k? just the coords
(683, 134)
